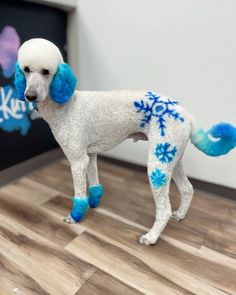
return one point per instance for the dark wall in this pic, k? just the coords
(20, 136)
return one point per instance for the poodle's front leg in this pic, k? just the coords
(95, 188)
(80, 201)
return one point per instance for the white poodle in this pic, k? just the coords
(85, 123)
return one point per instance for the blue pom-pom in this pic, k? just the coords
(225, 130)
(63, 84)
(20, 82)
(80, 208)
(225, 134)
(95, 195)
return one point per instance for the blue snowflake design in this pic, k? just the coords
(158, 108)
(158, 178)
(165, 153)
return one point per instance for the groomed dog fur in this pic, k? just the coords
(85, 123)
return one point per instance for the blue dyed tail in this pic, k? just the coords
(225, 139)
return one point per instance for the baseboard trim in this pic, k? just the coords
(212, 188)
(21, 169)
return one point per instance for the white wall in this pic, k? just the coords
(186, 49)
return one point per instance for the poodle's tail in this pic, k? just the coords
(217, 141)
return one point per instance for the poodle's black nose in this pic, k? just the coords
(31, 95)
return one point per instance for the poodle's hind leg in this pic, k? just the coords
(163, 207)
(159, 177)
(185, 189)
(95, 188)
(164, 154)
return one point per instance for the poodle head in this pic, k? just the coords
(41, 73)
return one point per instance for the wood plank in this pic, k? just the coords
(133, 201)
(128, 195)
(214, 205)
(142, 272)
(12, 278)
(38, 219)
(189, 234)
(203, 252)
(28, 190)
(141, 209)
(221, 243)
(124, 182)
(56, 176)
(101, 283)
(219, 223)
(196, 255)
(51, 267)
(122, 265)
(138, 181)
(192, 230)
(196, 269)
(211, 273)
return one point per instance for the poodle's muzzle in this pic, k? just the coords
(37, 87)
(31, 96)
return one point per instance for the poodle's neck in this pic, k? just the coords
(50, 110)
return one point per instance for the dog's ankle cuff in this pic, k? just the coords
(95, 195)
(80, 208)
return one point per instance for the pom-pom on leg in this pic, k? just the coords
(95, 195)
(79, 209)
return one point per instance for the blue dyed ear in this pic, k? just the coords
(63, 84)
(20, 82)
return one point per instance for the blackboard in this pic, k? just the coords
(21, 136)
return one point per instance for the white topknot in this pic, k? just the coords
(39, 53)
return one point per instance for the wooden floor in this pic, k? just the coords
(39, 254)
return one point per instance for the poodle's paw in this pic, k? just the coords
(80, 208)
(178, 215)
(69, 219)
(95, 195)
(148, 239)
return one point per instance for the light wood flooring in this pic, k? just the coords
(41, 255)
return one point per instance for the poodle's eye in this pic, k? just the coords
(45, 72)
(26, 69)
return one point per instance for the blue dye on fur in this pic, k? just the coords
(19, 82)
(63, 84)
(159, 109)
(225, 135)
(80, 208)
(95, 195)
(165, 153)
(158, 178)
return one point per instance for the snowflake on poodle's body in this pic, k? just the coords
(165, 153)
(158, 178)
(158, 108)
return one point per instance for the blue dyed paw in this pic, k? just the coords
(95, 195)
(80, 208)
